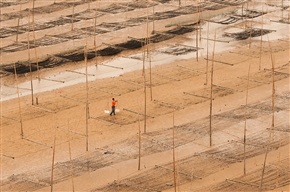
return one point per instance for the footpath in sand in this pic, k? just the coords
(177, 96)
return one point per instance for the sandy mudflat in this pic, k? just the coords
(178, 91)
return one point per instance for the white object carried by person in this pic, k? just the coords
(108, 111)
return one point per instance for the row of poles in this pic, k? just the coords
(147, 50)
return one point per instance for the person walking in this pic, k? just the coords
(113, 106)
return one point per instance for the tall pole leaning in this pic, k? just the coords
(72, 17)
(145, 97)
(87, 90)
(139, 141)
(34, 40)
(19, 106)
(87, 100)
(18, 22)
(245, 117)
(144, 73)
(206, 75)
(261, 40)
(196, 32)
(52, 163)
(273, 115)
(211, 93)
(173, 154)
(70, 159)
(149, 56)
(30, 65)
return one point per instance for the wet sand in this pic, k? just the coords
(179, 85)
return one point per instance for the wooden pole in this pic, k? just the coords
(87, 90)
(288, 15)
(95, 39)
(139, 138)
(145, 97)
(87, 101)
(35, 52)
(211, 94)
(70, 160)
(149, 56)
(261, 41)
(30, 65)
(243, 11)
(282, 8)
(199, 16)
(19, 106)
(179, 3)
(279, 166)
(52, 163)
(144, 75)
(18, 23)
(173, 154)
(151, 93)
(153, 18)
(273, 117)
(206, 76)
(196, 38)
(273, 88)
(251, 25)
(147, 31)
(246, 113)
(72, 17)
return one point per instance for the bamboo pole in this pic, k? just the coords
(273, 114)
(72, 17)
(206, 76)
(199, 16)
(149, 54)
(153, 18)
(288, 16)
(211, 94)
(251, 26)
(151, 93)
(95, 39)
(147, 30)
(196, 33)
(139, 139)
(18, 23)
(144, 74)
(173, 154)
(279, 166)
(273, 88)
(145, 97)
(245, 117)
(87, 91)
(52, 163)
(35, 52)
(30, 65)
(282, 3)
(19, 106)
(179, 3)
(89, 5)
(70, 160)
(87, 101)
(261, 41)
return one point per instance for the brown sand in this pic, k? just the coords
(112, 159)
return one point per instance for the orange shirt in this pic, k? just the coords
(113, 103)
